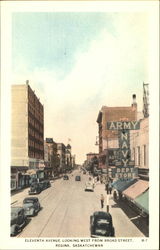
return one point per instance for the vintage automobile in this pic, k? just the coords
(34, 188)
(31, 206)
(89, 186)
(65, 177)
(47, 184)
(44, 184)
(77, 178)
(101, 225)
(18, 220)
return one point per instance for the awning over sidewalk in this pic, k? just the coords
(122, 185)
(136, 189)
(142, 201)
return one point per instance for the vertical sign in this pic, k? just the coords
(125, 167)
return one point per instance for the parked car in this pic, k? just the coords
(65, 177)
(44, 184)
(77, 178)
(31, 206)
(34, 188)
(18, 220)
(89, 186)
(101, 225)
(47, 184)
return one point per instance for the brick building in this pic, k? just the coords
(61, 150)
(27, 143)
(51, 158)
(108, 138)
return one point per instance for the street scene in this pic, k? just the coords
(66, 209)
(79, 125)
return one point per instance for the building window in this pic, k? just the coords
(144, 153)
(138, 151)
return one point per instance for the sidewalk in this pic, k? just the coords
(124, 217)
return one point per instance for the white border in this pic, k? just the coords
(7, 8)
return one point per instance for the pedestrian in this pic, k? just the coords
(102, 200)
(110, 187)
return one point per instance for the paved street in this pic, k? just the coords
(66, 210)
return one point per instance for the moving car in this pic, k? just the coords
(65, 177)
(18, 220)
(77, 178)
(89, 186)
(31, 206)
(101, 225)
(34, 188)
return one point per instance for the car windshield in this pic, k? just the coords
(28, 201)
(102, 224)
(14, 213)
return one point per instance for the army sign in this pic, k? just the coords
(132, 125)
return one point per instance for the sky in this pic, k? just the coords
(78, 62)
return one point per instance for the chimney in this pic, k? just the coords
(134, 103)
(27, 82)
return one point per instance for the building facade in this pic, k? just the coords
(51, 158)
(107, 138)
(27, 132)
(139, 144)
(61, 150)
(68, 157)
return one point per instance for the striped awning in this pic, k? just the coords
(136, 189)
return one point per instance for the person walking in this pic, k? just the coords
(110, 188)
(102, 200)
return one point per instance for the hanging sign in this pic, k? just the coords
(132, 125)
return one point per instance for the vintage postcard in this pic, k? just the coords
(79, 125)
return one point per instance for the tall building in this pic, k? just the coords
(108, 138)
(27, 142)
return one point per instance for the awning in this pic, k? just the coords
(122, 185)
(143, 201)
(136, 189)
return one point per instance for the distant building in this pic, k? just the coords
(108, 138)
(68, 157)
(27, 143)
(51, 158)
(61, 150)
(90, 156)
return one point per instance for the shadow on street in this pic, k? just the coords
(139, 221)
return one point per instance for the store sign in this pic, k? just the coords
(132, 125)
(113, 156)
(126, 173)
